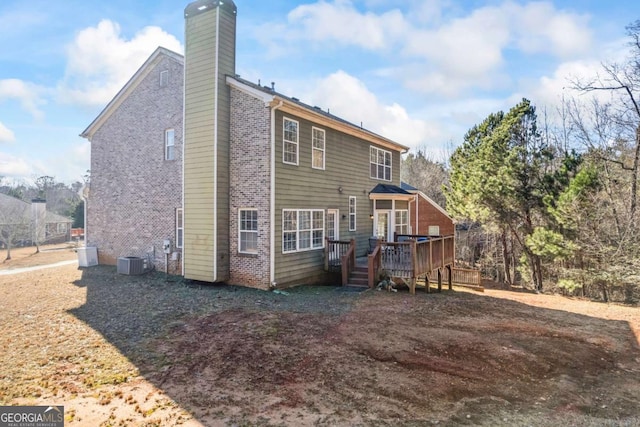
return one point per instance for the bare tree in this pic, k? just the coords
(623, 82)
(15, 225)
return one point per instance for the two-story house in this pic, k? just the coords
(247, 183)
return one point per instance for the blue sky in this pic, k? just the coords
(421, 72)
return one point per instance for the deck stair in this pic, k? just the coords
(359, 277)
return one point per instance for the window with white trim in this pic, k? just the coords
(317, 152)
(248, 231)
(380, 163)
(290, 141)
(352, 213)
(402, 221)
(179, 227)
(434, 230)
(169, 144)
(302, 230)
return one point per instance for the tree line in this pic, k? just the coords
(552, 207)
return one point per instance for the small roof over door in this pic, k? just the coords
(389, 192)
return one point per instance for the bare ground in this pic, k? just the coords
(151, 350)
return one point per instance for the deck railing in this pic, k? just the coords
(374, 263)
(340, 256)
(465, 276)
(427, 254)
(334, 250)
(460, 276)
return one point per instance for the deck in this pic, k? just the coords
(409, 258)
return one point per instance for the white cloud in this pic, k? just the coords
(453, 54)
(349, 98)
(539, 27)
(12, 166)
(340, 22)
(26, 93)
(6, 134)
(73, 163)
(101, 61)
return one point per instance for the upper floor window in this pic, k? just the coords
(248, 231)
(169, 145)
(164, 78)
(317, 137)
(290, 141)
(179, 228)
(380, 162)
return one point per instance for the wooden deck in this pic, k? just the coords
(409, 259)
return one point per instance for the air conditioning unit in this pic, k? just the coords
(130, 265)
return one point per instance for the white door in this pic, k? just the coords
(333, 233)
(333, 224)
(382, 225)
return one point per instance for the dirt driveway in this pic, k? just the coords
(154, 351)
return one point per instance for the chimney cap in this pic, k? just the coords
(201, 6)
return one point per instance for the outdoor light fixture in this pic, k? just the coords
(339, 189)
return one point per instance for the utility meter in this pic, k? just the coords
(166, 246)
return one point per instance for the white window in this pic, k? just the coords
(179, 228)
(169, 144)
(434, 230)
(302, 230)
(164, 78)
(290, 141)
(402, 221)
(248, 231)
(352, 213)
(380, 163)
(318, 137)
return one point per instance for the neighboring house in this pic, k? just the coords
(135, 196)
(23, 223)
(267, 179)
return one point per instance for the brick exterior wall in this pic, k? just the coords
(250, 186)
(134, 191)
(429, 215)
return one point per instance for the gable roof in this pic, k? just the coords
(14, 206)
(20, 207)
(133, 82)
(54, 217)
(295, 106)
(429, 200)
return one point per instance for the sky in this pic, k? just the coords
(420, 72)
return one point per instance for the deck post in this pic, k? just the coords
(426, 283)
(439, 280)
(326, 254)
(450, 277)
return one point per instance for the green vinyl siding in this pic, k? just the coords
(303, 187)
(206, 165)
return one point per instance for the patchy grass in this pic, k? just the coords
(154, 350)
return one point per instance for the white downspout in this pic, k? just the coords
(417, 232)
(272, 198)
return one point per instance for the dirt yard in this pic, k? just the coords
(155, 351)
